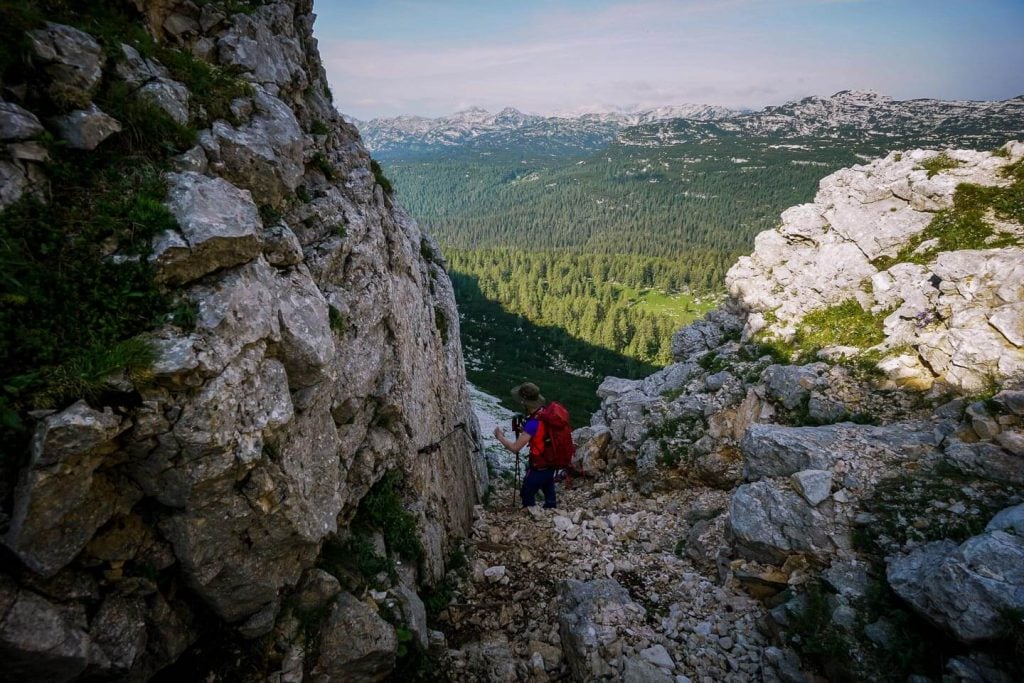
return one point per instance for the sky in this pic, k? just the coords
(434, 57)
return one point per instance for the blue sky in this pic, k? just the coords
(390, 57)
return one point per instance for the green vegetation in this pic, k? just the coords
(939, 163)
(965, 224)
(378, 175)
(844, 324)
(319, 128)
(337, 320)
(382, 508)
(504, 349)
(616, 303)
(323, 165)
(441, 323)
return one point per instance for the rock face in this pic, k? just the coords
(324, 354)
(970, 588)
(952, 317)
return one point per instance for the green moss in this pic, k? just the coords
(378, 175)
(964, 226)
(321, 162)
(939, 163)
(844, 324)
(441, 323)
(337, 320)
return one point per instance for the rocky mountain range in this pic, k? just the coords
(509, 128)
(846, 114)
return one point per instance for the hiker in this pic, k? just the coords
(546, 429)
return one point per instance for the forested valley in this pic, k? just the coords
(615, 249)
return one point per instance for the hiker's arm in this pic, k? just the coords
(514, 446)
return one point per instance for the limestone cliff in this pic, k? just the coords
(860, 401)
(321, 352)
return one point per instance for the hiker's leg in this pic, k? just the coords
(549, 489)
(530, 486)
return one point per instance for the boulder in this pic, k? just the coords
(66, 492)
(37, 641)
(119, 628)
(17, 123)
(967, 588)
(86, 128)
(777, 451)
(152, 82)
(72, 60)
(791, 385)
(770, 522)
(356, 644)
(219, 223)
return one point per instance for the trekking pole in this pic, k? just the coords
(517, 481)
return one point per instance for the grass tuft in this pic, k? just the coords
(939, 163)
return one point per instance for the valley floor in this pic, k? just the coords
(511, 621)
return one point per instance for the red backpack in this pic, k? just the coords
(558, 446)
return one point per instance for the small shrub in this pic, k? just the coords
(302, 193)
(321, 162)
(378, 175)
(185, 315)
(1001, 152)
(340, 230)
(898, 156)
(270, 215)
(319, 128)
(441, 323)
(939, 163)
(426, 251)
(337, 320)
(382, 508)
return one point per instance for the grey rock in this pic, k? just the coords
(281, 247)
(849, 578)
(37, 641)
(356, 644)
(814, 485)
(769, 522)
(1011, 400)
(119, 628)
(791, 385)
(71, 59)
(963, 588)
(220, 227)
(976, 666)
(776, 451)
(307, 343)
(261, 623)
(986, 460)
(1012, 441)
(589, 613)
(168, 95)
(642, 671)
(718, 380)
(881, 633)
(17, 123)
(658, 656)
(265, 44)
(1010, 520)
(66, 493)
(86, 128)
(414, 614)
(705, 335)
(824, 410)
(265, 156)
(317, 589)
(786, 664)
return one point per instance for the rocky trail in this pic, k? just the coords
(604, 580)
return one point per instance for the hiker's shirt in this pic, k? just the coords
(535, 428)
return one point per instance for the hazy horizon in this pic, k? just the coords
(400, 57)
